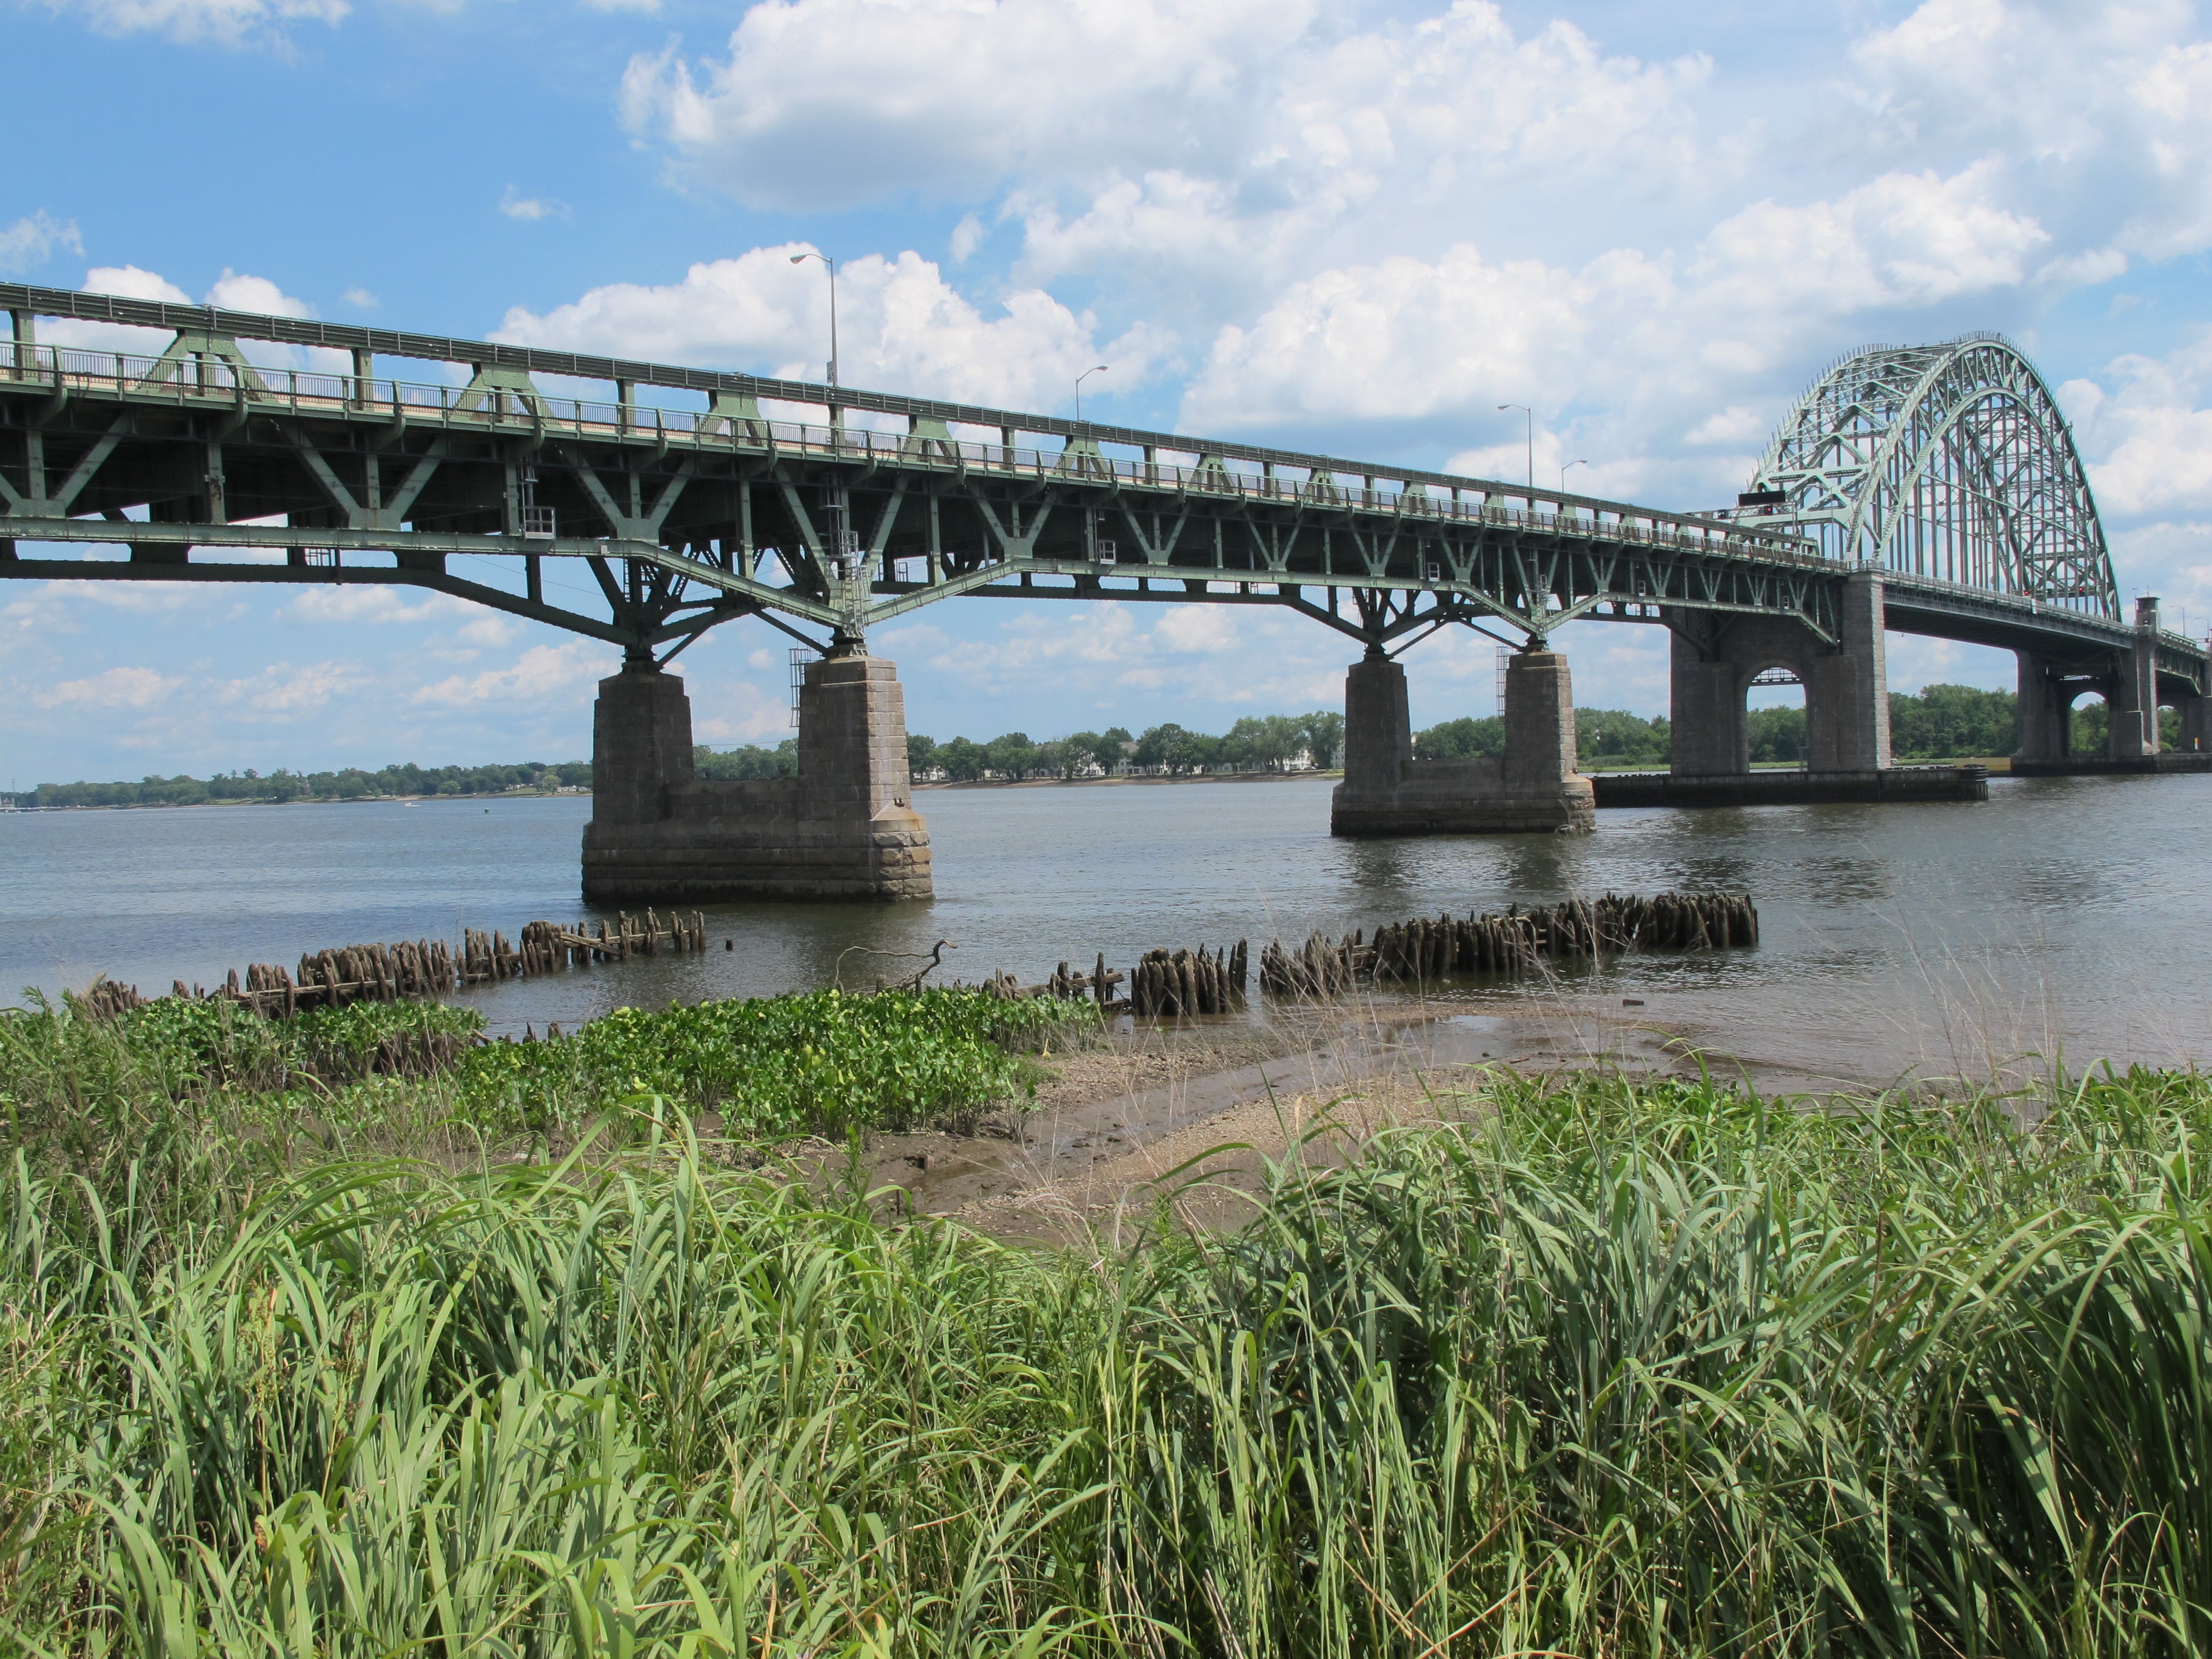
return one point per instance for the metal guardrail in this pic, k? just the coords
(204, 380)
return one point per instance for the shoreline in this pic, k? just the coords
(1998, 766)
(311, 801)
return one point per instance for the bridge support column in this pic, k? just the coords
(2196, 723)
(845, 828)
(1532, 787)
(1847, 690)
(2044, 711)
(2131, 711)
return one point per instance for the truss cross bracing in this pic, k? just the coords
(540, 483)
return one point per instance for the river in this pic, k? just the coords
(2065, 916)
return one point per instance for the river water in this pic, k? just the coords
(2064, 918)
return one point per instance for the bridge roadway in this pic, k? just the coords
(827, 511)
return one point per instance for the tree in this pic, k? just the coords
(1152, 748)
(1324, 736)
(1263, 740)
(920, 755)
(2091, 729)
(1947, 722)
(1776, 735)
(1012, 755)
(1078, 751)
(962, 761)
(1193, 752)
(1464, 738)
(730, 765)
(1612, 737)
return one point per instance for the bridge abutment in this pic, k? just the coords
(845, 828)
(1532, 787)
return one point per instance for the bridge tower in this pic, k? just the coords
(1532, 787)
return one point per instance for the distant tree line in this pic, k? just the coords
(1941, 722)
(350, 784)
(1260, 743)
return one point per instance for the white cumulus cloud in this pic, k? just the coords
(113, 688)
(32, 240)
(900, 327)
(223, 23)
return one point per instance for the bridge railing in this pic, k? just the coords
(189, 379)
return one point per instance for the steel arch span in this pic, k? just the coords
(1950, 463)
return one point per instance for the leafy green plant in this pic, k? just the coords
(822, 1062)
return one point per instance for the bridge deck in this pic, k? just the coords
(691, 516)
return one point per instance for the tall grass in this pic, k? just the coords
(1596, 1369)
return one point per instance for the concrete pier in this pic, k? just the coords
(2129, 682)
(845, 828)
(1717, 656)
(1532, 787)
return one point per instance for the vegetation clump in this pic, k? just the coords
(1589, 1366)
(821, 1063)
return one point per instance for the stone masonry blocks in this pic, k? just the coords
(845, 828)
(1846, 687)
(1534, 788)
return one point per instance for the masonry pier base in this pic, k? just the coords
(2133, 688)
(1792, 787)
(845, 828)
(1532, 787)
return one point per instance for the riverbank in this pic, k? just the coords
(727, 1392)
(309, 800)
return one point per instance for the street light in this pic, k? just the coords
(1531, 414)
(1079, 380)
(1564, 470)
(800, 259)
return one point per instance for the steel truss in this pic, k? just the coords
(1950, 463)
(208, 467)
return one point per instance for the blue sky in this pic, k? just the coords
(1356, 228)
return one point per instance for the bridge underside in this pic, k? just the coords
(205, 467)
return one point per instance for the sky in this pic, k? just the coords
(1355, 228)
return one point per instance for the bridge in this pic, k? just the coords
(1931, 490)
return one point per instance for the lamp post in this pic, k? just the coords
(1531, 414)
(800, 259)
(1564, 470)
(1079, 380)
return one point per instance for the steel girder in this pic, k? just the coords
(690, 517)
(198, 459)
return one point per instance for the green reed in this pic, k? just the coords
(1595, 1368)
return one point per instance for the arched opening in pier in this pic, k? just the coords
(2088, 724)
(2173, 733)
(1774, 718)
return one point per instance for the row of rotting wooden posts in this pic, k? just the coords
(1514, 943)
(422, 967)
(1163, 983)
(1199, 982)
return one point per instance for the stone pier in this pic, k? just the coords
(845, 828)
(1717, 656)
(2129, 684)
(1532, 787)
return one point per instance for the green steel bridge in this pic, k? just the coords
(1930, 489)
